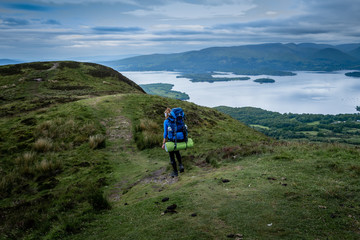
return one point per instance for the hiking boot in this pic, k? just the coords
(181, 168)
(174, 174)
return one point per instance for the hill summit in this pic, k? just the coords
(29, 86)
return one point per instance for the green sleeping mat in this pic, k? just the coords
(169, 146)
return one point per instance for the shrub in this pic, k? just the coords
(98, 201)
(43, 145)
(69, 64)
(10, 70)
(37, 65)
(102, 72)
(97, 141)
(212, 161)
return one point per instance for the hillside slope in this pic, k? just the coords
(94, 169)
(29, 86)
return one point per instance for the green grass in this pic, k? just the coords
(94, 169)
(32, 86)
(259, 126)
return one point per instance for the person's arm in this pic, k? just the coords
(165, 134)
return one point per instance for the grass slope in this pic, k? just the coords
(29, 86)
(99, 173)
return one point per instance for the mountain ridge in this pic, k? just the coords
(260, 58)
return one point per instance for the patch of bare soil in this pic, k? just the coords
(118, 128)
(55, 66)
(159, 178)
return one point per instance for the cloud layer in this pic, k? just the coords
(58, 29)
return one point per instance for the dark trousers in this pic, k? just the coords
(172, 159)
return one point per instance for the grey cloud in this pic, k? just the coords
(106, 30)
(182, 32)
(51, 22)
(178, 39)
(299, 30)
(253, 24)
(294, 26)
(26, 7)
(11, 22)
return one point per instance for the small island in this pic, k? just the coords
(264, 72)
(207, 77)
(264, 80)
(164, 90)
(353, 74)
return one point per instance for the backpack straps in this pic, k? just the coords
(175, 133)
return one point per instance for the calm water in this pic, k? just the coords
(307, 92)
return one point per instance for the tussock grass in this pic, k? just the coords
(47, 166)
(58, 128)
(97, 141)
(148, 125)
(25, 164)
(65, 132)
(43, 145)
(27, 158)
(30, 164)
(147, 134)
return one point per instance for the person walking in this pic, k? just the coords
(168, 136)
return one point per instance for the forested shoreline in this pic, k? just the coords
(342, 128)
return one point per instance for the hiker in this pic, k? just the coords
(167, 129)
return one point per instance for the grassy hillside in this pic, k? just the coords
(94, 169)
(29, 86)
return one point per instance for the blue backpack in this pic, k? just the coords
(177, 132)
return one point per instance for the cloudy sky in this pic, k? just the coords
(69, 29)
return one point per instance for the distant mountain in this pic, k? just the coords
(332, 54)
(355, 53)
(249, 59)
(5, 61)
(348, 47)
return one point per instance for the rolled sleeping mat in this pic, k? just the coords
(170, 146)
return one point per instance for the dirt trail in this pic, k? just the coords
(119, 127)
(158, 178)
(55, 66)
